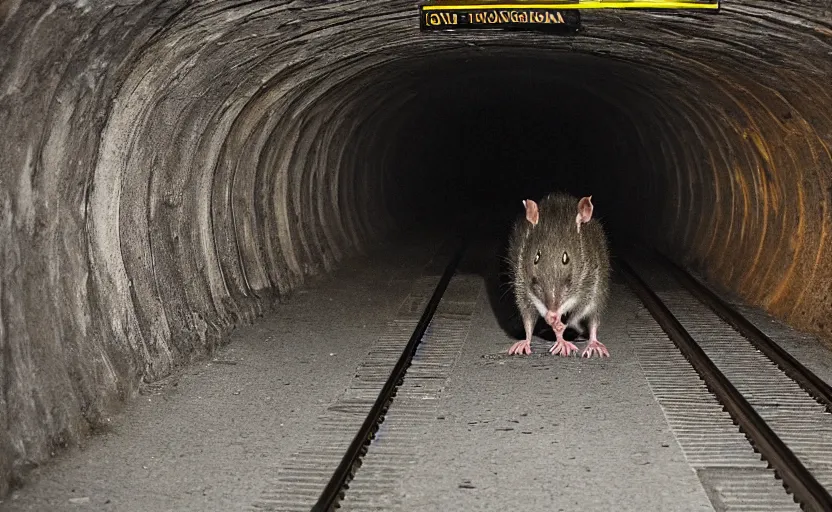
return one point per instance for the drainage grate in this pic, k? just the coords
(733, 474)
(412, 411)
(299, 482)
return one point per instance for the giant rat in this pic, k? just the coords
(560, 265)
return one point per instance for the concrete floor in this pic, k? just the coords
(208, 438)
(549, 433)
(531, 433)
(538, 432)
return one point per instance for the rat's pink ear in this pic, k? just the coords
(584, 211)
(532, 213)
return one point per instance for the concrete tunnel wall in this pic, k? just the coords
(168, 169)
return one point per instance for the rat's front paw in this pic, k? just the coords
(521, 347)
(563, 348)
(595, 347)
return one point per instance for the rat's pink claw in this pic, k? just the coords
(563, 348)
(595, 347)
(521, 347)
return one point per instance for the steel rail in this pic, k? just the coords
(333, 492)
(805, 378)
(799, 480)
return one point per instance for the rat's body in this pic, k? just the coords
(560, 264)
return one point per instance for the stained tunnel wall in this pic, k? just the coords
(169, 169)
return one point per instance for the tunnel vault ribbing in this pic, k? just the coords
(168, 169)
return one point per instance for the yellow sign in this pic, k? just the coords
(495, 17)
(468, 5)
(552, 15)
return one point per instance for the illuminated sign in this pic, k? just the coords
(466, 5)
(500, 17)
(534, 14)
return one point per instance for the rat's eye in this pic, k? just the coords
(565, 258)
(537, 257)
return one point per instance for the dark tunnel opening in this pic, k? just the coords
(482, 133)
(171, 170)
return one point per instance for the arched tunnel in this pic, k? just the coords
(172, 170)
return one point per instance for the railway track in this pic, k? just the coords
(799, 480)
(788, 426)
(811, 383)
(333, 491)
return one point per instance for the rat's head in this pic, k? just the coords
(553, 253)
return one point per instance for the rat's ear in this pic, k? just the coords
(584, 211)
(532, 213)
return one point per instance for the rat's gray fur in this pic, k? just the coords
(583, 284)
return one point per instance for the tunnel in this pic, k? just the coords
(173, 170)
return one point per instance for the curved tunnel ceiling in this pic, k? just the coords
(169, 168)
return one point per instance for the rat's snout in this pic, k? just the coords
(554, 306)
(553, 309)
